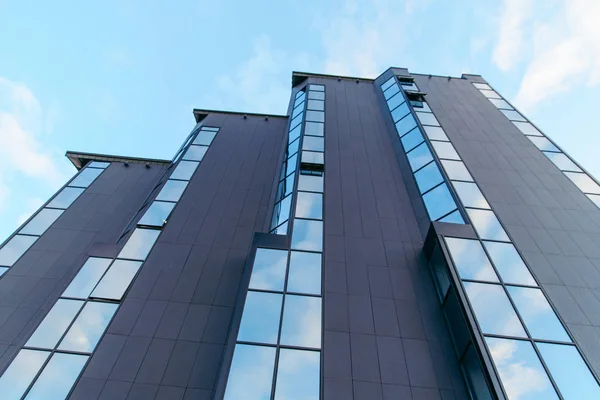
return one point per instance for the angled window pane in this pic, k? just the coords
(436, 133)
(86, 331)
(412, 140)
(307, 235)
(57, 378)
(300, 94)
(172, 191)
(41, 221)
(571, 374)
(583, 182)
(487, 225)
(445, 150)
(298, 108)
(427, 119)
(385, 85)
(296, 120)
(21, 371)
(98, 164)
(313, 143)
(470, 195)
(3, 270)
(513, 115)
(195, 153)
(543, 144)
(157, 214)
(483, 86)
(281, 229)
(309, 205)
(392, 90)
(400, 112)
(318, 105)
(593, 197)
(54, 325)
(301, 325)
(520, 370)
(293, 147)
(314, 128)
(291, 164)
(428, 177)
(268, 271)
(453, 218)
(312, 157)
(438, 202)
(539, 318)
(474, 375)
(405, 125)
(420, 106)
(14, 249)
(294, 134)
(526, 128)
(86, 177)
(490, 94)
(456, 170)
(116, 281)
(65, 198)
(419, 157)
(298, 375)
(563, 162)
(86, 279)
(205, 138)
(139, 244)
(304, 274)
(395, 101)
(493, 310)
(289, 184)
(251, 373)
(315, 116)
(184, 170)
(501, 104)
(470, 260)
(211, 128)
(310, 183)
(317, 88)
(260, 318)
(281, 212)
(410, 87)
(509, 264)
(312, 95)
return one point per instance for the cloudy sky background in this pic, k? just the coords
(122, 77)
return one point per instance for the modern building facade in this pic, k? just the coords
(407, 237)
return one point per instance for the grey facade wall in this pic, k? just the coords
(551, 222)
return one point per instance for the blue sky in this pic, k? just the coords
(122, 77)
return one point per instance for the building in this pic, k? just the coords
(408, 237)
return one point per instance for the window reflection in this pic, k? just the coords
(490, 94)
(427, 119)
(294, 133)
(310, 183)
(470, 195)
(400, 112)
(487, 225)
(312, 157)
(445, 150)
(172, 191)
(86, 177)
(395, 101)
(304, 274)
(19, 374)
(543, 144)
(412, 139)
(268, 271)
(66, 197)
(301, 325)
(438, 202)
(436, 133)
(84, 334)
(453, 218)
(157, 214)
(314, 128)
(251, 373)
(419, 156)
(260, 318)
(41, 222)
(315, 116)
(184, 170)
(312, 95)
(405, 125)
(205, 138)
(318, 105)
(298, 375)
(313, 143)
(526, 128)
(583, 182)
(392, 90)
(54, 325)
(501, 104)
(456, 170)
(86, 279)
(428, 177)
(483, 86)
(14, 249)
(195, 153)
(309, 205)
(57, 378)
(513, 115)
(509, 264)
(139, 244)
(307, 235)
(98, 164)
(116, 281)
(470, 260)
(562, 162)
(281, 212)
(388, 83)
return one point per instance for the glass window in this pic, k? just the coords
(419, 157)
(317, 88)
(563, 162)
(420, 105)
(593, 197)
(289, 184)
(297, 120)
(42, 221)
(445, 150)
(310, 183)
(172, 191)
(470, 260)
(501, 104)
(318, 105)
(315, 116)
(438, 202)
(412, 139)
(19, 374)
(311, 157)
(583, 182)
(307, 235)
(210, 128)
(86, 177)
(543, 144)
(527, 129)
(490, 94)
(427, 119)
(475, 376)
(157, 214)
(195, 153)
(405, 125)
(537, 314)
(57, 378)
(293, 147)
(483, 86)
(86, 279)
(487, 225)
(116, 281)
(14, 249)
(281, 229)
(184, 170)
(470, 195)
(205, 138)
(456, 170)
(453, 218)
(86, 331)
(493, 309)
(281, 212)
(139, 244)
(385, 85)
(65, 198)
(260, 319)
(301, 324)
(436, 133)
(392, 90)
(300, 93)
(400, 112)
(312, 95)
(309, 205)
(509, 264)
(313, 143)
(3, 270)
(304, 274)
(268, 271)
(294, 133)
(98, 164)
(298, 375)
(54, 325)
(291, 164)
(314, 128)
(571, 374)
(395, 101)
(513, 115)
(428, 177)
(251, 373)
(520, 370)
(299, 107)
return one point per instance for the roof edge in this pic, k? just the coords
(200, 114)
(297, 75)
(80, 159)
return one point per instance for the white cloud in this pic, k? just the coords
(509, 47)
